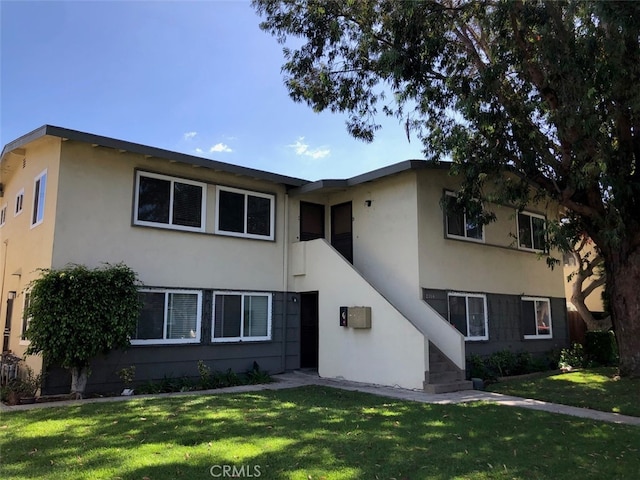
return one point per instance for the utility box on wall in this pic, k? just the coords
(359, 317)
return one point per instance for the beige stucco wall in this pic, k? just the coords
(496, 266)
(26, 249)
(94, 225)
(392, 352)
(385, 251)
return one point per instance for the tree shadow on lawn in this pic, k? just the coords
(310, 432)
(598, 389)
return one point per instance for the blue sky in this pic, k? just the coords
(197, 77)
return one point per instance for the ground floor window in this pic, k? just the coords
(536, 317)
(241, 316)
(169, 316)
(468, 313)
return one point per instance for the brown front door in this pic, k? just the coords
(311, 221)
(341, 230)
(309, 330)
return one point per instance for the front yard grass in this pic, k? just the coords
(595, 388)
(309, 433)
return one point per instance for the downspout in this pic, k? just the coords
(285, 278)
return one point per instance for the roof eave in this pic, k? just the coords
(108, 142)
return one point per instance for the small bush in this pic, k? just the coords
(257, 376)
(573, 357)
(476, 367)
(601, 348)
(505, 363)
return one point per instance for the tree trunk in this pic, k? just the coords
(578, 301)
(79, 376)
(623, 286)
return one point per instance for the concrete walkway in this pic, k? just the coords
(299, 379)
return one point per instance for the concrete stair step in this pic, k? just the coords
(435, 388)
(444, 377)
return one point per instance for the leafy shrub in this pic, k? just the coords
(257, 376)
(476, 367)
(207, 379)
(601, 347)
(573, 357)
(505, 363)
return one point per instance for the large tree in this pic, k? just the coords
(78, 313)
(545, 90)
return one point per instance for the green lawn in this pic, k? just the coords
(310, 433)
(596, 388)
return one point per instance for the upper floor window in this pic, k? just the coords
(536, 317)
(531, 227)
(19, 203)
(168, 202)
(239, 316)
(39, 191)
(458, 223)
(3, 215)
(169, 316)
(468, 313)
(242, 213)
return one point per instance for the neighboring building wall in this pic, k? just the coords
(26, 248)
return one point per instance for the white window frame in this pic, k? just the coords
(19, 204)
(3, 215)
(246, 193)
(242, 338)
(38, 207)
(173, 341)
(475, 338)
(538, 336)
(170, 225)
(531, 215)
(460, 237)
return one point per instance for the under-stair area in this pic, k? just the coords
(443, 375)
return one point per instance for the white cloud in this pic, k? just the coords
(302, 149)
(220, 147)
(190, 135)
(199, 151)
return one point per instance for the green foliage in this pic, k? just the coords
(532, 87)
(77, 313)
(127, 375)
(312, 433)
(25, 385)
(573, 357)
(517, 94)
(505, 363)
(207, 379)
(601, 347)
(256, 375)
